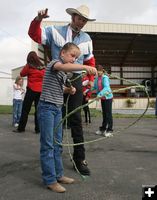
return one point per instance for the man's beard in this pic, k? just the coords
(75, 29)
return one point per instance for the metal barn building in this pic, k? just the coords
(129, 51)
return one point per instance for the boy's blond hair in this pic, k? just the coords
(68, 46)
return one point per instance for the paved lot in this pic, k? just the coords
(150, 111)
(119, 165)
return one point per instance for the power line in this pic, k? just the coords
(5, 73)
(14, 37)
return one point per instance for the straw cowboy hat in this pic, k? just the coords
(82, 10)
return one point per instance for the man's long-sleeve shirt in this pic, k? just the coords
(56, 36)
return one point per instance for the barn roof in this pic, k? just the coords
(125, 49)
(121, 44)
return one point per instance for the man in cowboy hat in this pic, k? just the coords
(55, 37)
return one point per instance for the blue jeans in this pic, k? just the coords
(107, 123)
(156, 107)
(17, 108)
(49, 116)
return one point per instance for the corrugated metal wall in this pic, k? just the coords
(111, 27)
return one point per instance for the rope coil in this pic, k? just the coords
(136, 85)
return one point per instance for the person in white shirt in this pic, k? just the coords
(18, 92)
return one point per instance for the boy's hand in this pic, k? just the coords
(72, 90)
(42, 14)
(91, 70)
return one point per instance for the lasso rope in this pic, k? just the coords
(82, 106)
(67, 137)
(96, 98)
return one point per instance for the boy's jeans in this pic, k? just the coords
(49, 116)
(17, 107)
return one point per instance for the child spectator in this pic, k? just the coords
(18, 92)
(103, 90)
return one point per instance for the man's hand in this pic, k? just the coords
(42, 14)
(91, 83)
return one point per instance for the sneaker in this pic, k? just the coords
(82, 168)
(108, 134)
(16, 125)
(98, 132)
(66, 180)
(109, 131)
(103, 133)
(56, 187)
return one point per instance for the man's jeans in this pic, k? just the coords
(75, 120)
(17, 107)
(49, 116)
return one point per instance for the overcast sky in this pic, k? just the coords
(16, 15)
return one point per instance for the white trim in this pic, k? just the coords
(86, 47)
(43, 36)
(58, 38)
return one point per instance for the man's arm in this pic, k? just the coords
(35, 30)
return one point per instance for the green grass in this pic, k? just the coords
(132, 116)
(4, 109)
